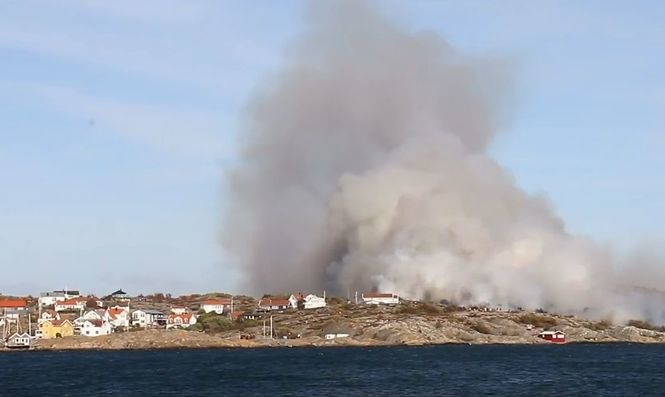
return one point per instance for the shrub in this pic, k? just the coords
(537, 320)
(599, 326)
(481, 328)
(645, 325)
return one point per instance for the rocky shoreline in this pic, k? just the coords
(377, 327)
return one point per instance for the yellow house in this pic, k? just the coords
(56, 329)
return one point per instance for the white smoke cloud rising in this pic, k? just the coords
(365, 166)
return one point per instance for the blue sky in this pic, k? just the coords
(118, 118)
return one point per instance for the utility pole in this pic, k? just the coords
(271, 326)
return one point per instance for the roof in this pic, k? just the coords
(379, 295)
(116, 311)
(118, 292)
(274, 302)
(184, 316)
(96, 323)
(149, 311)
(215, 302)
(551, 333)
(59, 323)
(13, 303)
(71, 302)
(51, 294)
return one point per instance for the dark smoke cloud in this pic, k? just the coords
(365, 166)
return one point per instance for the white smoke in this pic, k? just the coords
(365, 166)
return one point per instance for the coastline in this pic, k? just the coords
(377, 328)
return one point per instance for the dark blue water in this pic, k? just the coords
(570, 370)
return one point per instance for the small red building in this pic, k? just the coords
(553, 336)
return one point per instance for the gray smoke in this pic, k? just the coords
(364, 166)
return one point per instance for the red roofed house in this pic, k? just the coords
(219, 306)
(553, 336)
(180, 320)
(377, 298)
(119, 317)
(11, 308)
(13, 304)
(270, 304)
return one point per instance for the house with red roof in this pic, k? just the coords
(273, 304)
(70, 304)
(119, 317)
(180, 320)
(13, 304)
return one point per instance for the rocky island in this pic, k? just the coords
(361, 325)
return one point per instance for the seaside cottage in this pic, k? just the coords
(219, 306)
(19, 341)
(378, 298)
(553, 336)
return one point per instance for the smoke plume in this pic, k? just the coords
(364, 166)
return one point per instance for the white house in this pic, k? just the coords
(180, 320)
(219, 306)
(377, 298)
(48, 315)
(119, 317)
(336, 336)
(93, 315)
(18, 340)
(314, 302)
(94, 327)
(179, 310)
(145, 318)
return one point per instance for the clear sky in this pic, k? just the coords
(117, 119)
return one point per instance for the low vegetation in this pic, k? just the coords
(537, 320)
(213, 323)
(420, 308)
(645, 325)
